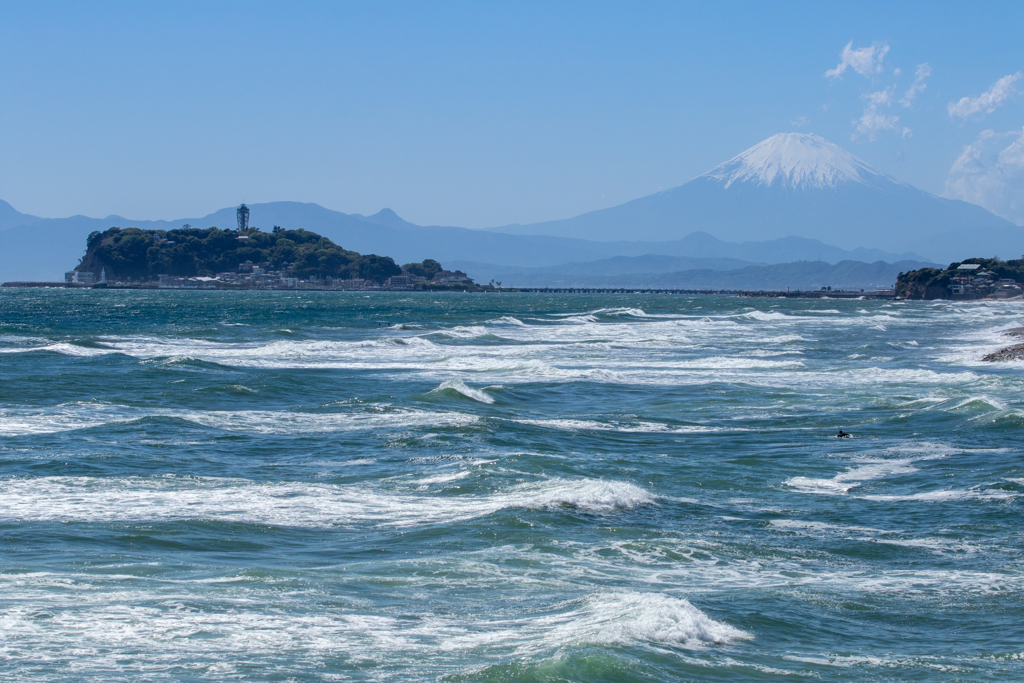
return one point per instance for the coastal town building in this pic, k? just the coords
(452, 277)
(970, 282)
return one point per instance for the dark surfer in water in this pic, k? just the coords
(842, 435)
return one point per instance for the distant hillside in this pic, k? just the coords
(697, 273)
(779, 250)
(582, 273)
(805, 275)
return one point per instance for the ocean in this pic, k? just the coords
(352, 486)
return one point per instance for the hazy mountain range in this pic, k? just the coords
(793, 197)
(34, 248)
(685, 273)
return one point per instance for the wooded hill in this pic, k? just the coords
(136, 254)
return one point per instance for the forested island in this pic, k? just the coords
(975, 278)
(213, 258)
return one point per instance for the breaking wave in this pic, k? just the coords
(459, 387)
(298, 504)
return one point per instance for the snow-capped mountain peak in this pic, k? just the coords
(796, 160)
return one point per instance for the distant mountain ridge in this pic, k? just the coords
(668, 271)
(33, 248)
(800, 185)
(800, 275)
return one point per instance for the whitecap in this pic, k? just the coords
(443, 478)
(459, 386)
(631, 617)
(64, 348)
(851, 478)
(574, 425)
(945, 495)
(765, 315)
(632, 312)
(508, 320)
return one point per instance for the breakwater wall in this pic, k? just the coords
(841, 294)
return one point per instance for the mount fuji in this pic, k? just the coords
(800, 185)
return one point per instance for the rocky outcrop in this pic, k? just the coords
(1015, 352)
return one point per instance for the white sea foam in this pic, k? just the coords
(849, 661)
(464, 332)
(871, 535)
(624, 347)
(851, 478)
(108, 622)
(803, 525)
(945, 495)
(88, 499)
(703, 565)
(572, 425)
(766, 353)
(74, 416)
(608, 346)
(738, 363)
(286, 422)
(443, 478)
(61, 418)
(633, 312)
(772, 316)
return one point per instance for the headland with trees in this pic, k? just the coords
(211, 258)
(973, 278)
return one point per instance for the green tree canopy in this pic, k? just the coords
(426, 269)
(144, 254)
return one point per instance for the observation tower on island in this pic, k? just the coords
(243, 218)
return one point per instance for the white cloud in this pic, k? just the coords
(923, 72)
(874, 122)
(882, 97)
(988, 101)
(907, 133)
(800, 122)
(864, 60)
(990, 173)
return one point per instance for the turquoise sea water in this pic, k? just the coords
(516, 487)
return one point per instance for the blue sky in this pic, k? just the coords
(485, 113)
